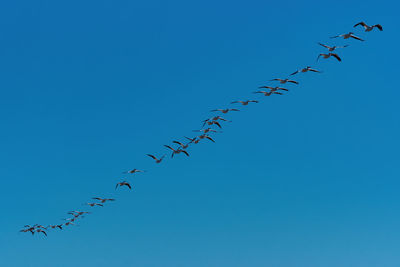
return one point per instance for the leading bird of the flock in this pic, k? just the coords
(332, 48)
(329, 55)
(123, 183)
(347, 36)
(225, 110)
(177, 151)
(157, 160)
(369, 28)
(266, 93)
(103, 200)
(245, 103)
(283, 81)
(306, 69)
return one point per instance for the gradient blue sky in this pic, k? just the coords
(306, 179)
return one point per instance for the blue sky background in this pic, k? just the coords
(88, 88)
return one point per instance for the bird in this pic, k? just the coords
(193, 140)
(177, 151)
(183, 146)
(245, 103)
(94, 204)
(133, 171)
(306, 69)
(78, 213)
(207, 130)
(122, 184)
(347, 36)
(333, 48)
(274, 89)
(282, 81)
(267, 93)
(103, 200)
(329, 55)
(206, 136)
(369, 28)
(158, 160)
(69, 223)
(41, 231)
(211, 122)
(225, 110)
(56, 226)
(216, 118)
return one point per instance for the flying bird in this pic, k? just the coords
(245, 103)
(274, 89)
(94, 204)
(177, 151)
(347, 36)
(211, 122)
(56, 226)
(207, 130)
(133, 171)
(369, 28)
(282, 81)
(206, 136)
(329, 55)
(76, 213)
(306, 69)
(183, 146)
(41, 231)
(158, 160)
(120, 184)
(103, 200)
(332, 48)
(225, 110)
(267, 93)
(193, 140)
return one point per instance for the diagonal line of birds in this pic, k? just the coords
(180, 147)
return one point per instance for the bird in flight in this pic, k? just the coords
(306, 69)
(206, 136)
(94, 204)
(133, 171)
(211, 122)
(282, 81)
(369, 28)
(124, 183)
(274, 89)
(41, 231)
(103, 200)
(245, 103)
(56, 226)
(69, 223)
(183, 146)
(177, 151)
(332, 48)
(329, 55)
(225, 110)
(347, 36)
(193, 140)
(76, 213)
(207, 130)
(266, 93)
(158, 160)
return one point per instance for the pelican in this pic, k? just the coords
(207, 130)
(211, 122)
(333, 48)
(267, 93)
(158, 160)
(282, 81)
(193, 140)
(94, 204)
(41, 231)
(306, 69)
(56, 226)
(245, 103)
(225, 110)
(347, 36)
(76, 213)
(120, 184)
(274, 89)
(206, 136)
(177, 151)
(183, 146)
(133, 171)
(103, 200)
(69, 223)
(329, 55)
(369, 28)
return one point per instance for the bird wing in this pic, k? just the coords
(209, 138)
(362, 23)
(356, 37)
(324, 45)
(379, 26)
(169, 147)
(177, 142)
(291, 81)
(336, 56)
(294, 72)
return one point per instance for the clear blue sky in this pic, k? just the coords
(306, 179)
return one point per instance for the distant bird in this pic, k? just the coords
(177, 151)
(133, 171)
(193, 140)
(158, 160)
(211, 122)
(78, 213)
(207, 130)
(103, 200)
(245, 103)
(225, 110)
(306, 69)
(282, 81)
(274, 89)
(94, 204)
(267, 93)
(347, 36)
(329, 55)
(333, 48)
(56, 226)
(69, 223)
(216, 118)
(183, 146)
(28, 229)
(120, 184)
(206, 136)
(41, 231)
(369, 28)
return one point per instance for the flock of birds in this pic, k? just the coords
(214, 121)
